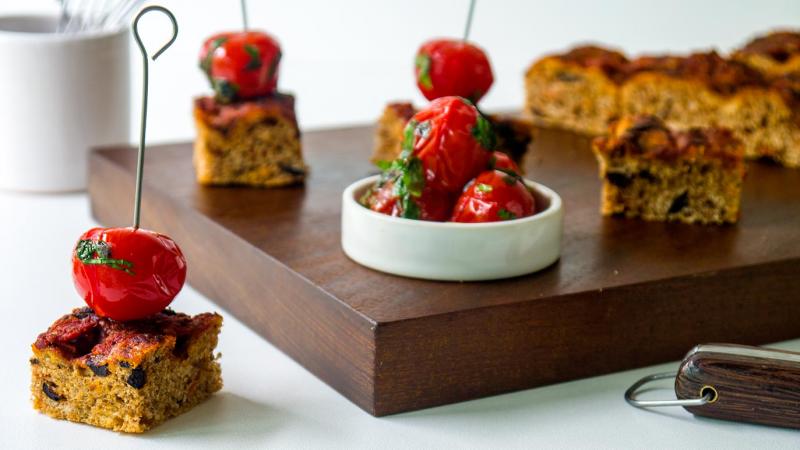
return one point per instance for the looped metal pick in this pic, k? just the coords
(143, 125)
(708, 394)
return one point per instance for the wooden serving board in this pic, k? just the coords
(625, 293)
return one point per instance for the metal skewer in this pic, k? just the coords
(244, 14)
(143, 125)
(469, 19)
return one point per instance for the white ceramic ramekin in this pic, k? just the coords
(452, 251)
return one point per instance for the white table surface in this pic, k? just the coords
(271, 401)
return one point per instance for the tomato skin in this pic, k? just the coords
(209, 45)
(503, 162)
(382, 199)
(494, 196)
(156, 275)
(241, 65)
(447, 67)
(433, 205)
(446, 143)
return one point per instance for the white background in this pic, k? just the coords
(344, 59)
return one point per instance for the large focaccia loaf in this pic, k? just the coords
(706, 90)
(578, 90)
(699, 90)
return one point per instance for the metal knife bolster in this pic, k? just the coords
(747, 384)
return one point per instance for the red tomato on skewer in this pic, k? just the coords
(445, 67)
(127, 273)
(241, 65)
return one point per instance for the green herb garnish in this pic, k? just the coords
(205, 63)
(255, 57)
(406, 172)
(225, 90)
(273, 66)
(506, 214)
(476, 95)
(408, 140)
(484, 133)
(384, 165)
(99, 253)
(481, 187)
(423, 64)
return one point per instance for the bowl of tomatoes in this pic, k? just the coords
(450, 207)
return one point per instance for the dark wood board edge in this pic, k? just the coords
(329, 339)
(422, 363)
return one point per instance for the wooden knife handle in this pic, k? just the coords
(748, 384)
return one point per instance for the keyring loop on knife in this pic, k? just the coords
(708, 394)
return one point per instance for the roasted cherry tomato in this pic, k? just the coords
(430, 205)
(127, 273)
(209, 46)
(501, 161)
(241, 65)
(446, 67)
(494, 196)
(452, 140)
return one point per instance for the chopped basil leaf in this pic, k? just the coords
(481, 187)
(255, 57)
(273, 66)
(506, 214)
(423, 64)
(205, 64)
(408, 140)
(99, 253)
(226, 91)
(413, 177)
(483, 133)
(410, 208)
(384, 165)
(407, 172)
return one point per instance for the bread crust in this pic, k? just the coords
(254, 142)
(698, 90)
(577, 91)
(125, 376)
(773, 54)
(652, 172)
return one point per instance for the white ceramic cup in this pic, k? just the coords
(60, 95)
